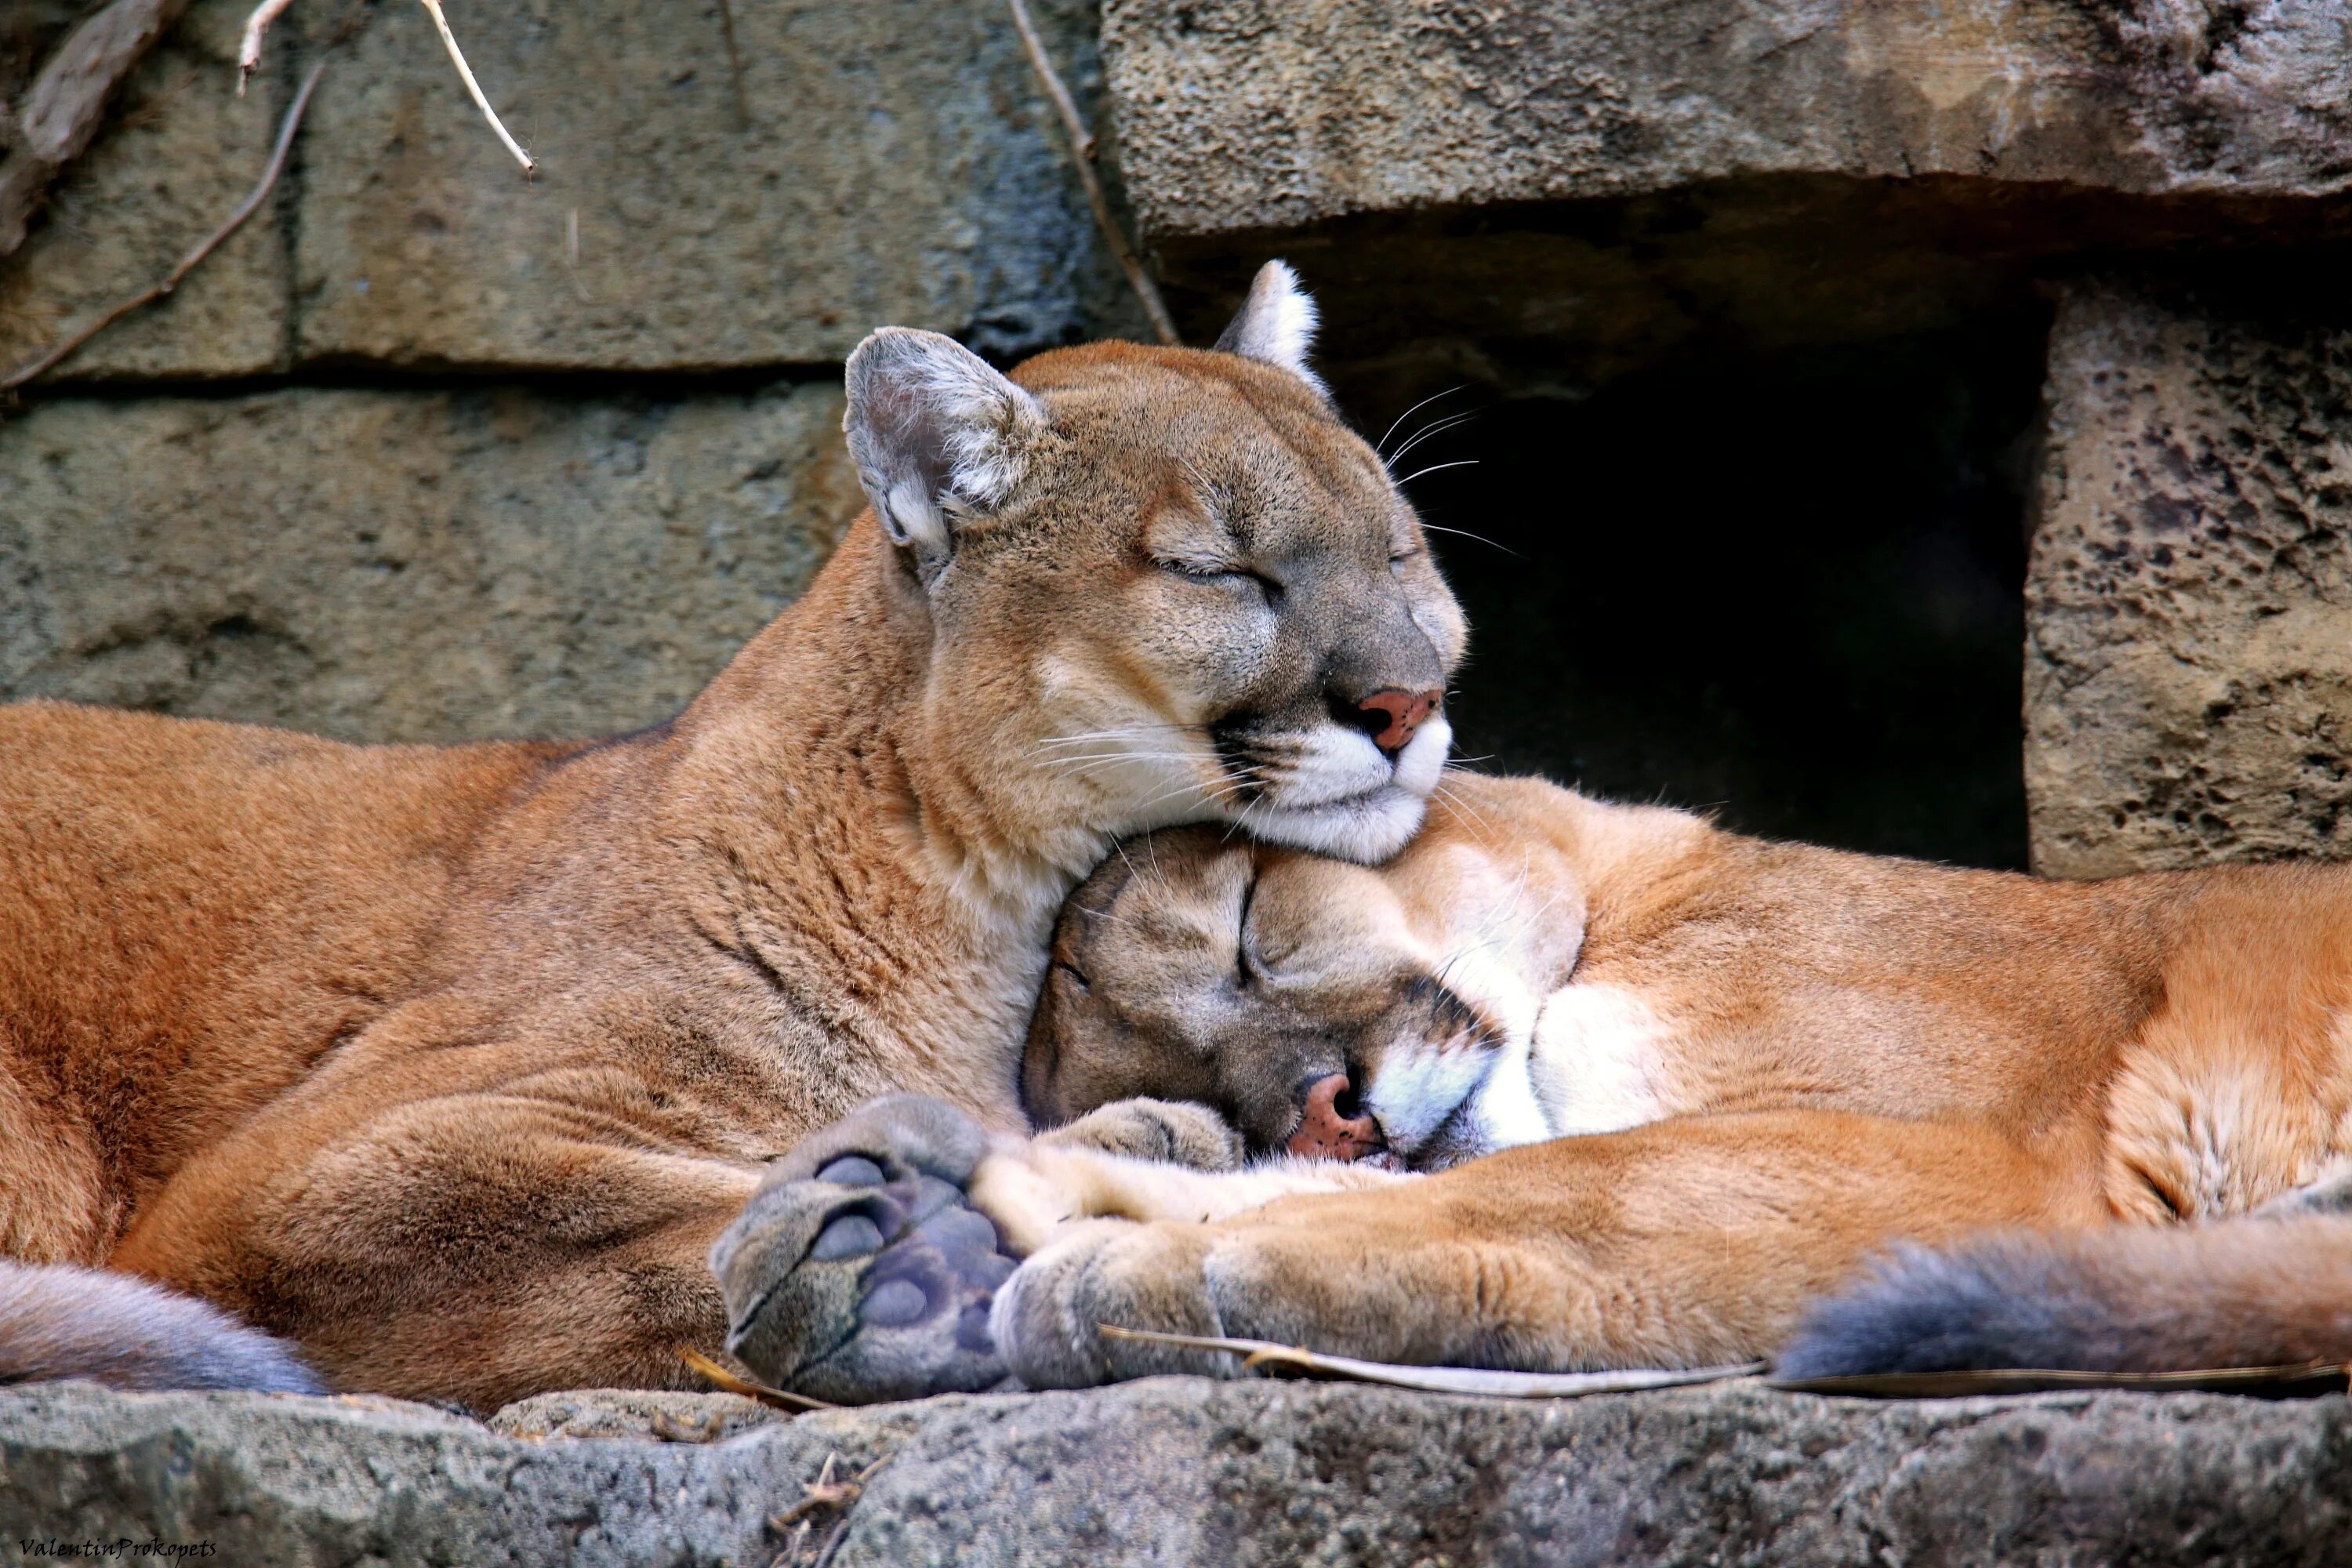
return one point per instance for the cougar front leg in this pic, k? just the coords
(1683, 1242)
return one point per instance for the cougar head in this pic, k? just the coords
(1324, 1009)
(1163, 586)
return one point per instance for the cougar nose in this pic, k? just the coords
(1334, 1125)
(1392, 717)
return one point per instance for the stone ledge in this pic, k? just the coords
(1176, 1470)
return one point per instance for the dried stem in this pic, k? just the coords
(257, 27)
(449, 42)
(728, 1382)
(1082, 143)
(734, 63)
(195, 258)
(68, 99)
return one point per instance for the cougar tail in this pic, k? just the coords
(58, 1322)
(2254, 1293)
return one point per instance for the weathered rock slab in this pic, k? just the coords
(1243, 115)
(1178, 1471)
(2188, 669)
(416, 565)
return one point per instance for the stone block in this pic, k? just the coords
(414, 565)
(885, 160)
(2188, 666)
(183, 150)
(1551, 194)
(1243, 115)
(1180, 1471)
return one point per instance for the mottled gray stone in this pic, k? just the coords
(1177, 1471)
(181, 152)
(631, 1413)
(897, 164)
(1243, 115)
(409, 565)
(2188, 669)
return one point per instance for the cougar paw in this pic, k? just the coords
(859, 1271)
(1169, 1131)
(1049, 1319)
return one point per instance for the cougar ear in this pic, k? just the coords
(936, 434)
(1277, 324)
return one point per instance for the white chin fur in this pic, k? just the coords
(1368, 829)
(1348, 802)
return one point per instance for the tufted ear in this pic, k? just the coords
(936, 434)
(1277, 324)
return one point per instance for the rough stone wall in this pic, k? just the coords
(2189, 676)
(411, 565)
(429, 452)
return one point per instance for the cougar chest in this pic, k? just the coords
(1597, 1059)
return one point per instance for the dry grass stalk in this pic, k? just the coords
(465, 72)
(195, 258)
(1082, 145)
(728, 1383)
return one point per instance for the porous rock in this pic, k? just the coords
(1178, 1471)
(2188, 669)
(413, 565)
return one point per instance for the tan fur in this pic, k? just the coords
(1836, 1052)
(450, 1064)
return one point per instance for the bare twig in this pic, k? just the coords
(456, 55)
(833, 1544)
(68, 99)
(195, 258)
(734, 62)
(257, 27)
(1082, 143)
(822, 1494)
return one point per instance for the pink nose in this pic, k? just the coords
(1332, 1126)
(1392, 717)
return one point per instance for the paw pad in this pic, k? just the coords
(860, 1272)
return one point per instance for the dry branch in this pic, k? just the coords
(1082, 146)
(68, 99)
(195, 258)
(257, 27)
(457, 57)
(734, 65)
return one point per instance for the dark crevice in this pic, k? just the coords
(1785, 589)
